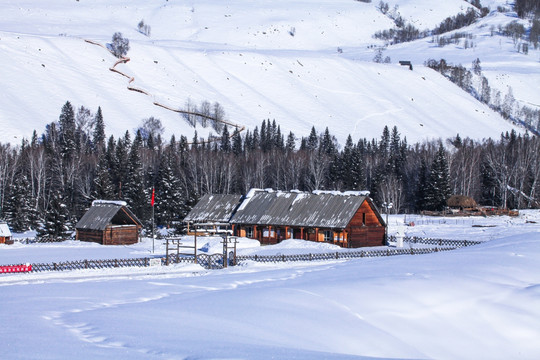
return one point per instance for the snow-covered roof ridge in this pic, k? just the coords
(109, 202)
(340, 193)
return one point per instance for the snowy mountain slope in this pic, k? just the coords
(242, 55)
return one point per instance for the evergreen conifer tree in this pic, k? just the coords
(103, 188)
(170, 194)
(291, 142)
(237, 143)
(313, 140)
(67, 131)
(134, 190)
(18, 209)
(55, 223)
(438, 186)
(98, 138)
(225, 145)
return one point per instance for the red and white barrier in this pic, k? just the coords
(15, 268)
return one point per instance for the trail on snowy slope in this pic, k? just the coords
(123, 60)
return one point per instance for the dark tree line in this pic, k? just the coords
(47, 182)
(526, 8)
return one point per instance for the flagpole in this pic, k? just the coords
(153, 237)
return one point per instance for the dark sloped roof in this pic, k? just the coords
(325, 210)
(214, 208)
(104, 213)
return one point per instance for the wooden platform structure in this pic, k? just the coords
(212, 214)
(109, 223)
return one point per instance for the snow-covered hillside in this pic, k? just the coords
(265, 60)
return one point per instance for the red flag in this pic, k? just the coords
(153, 192)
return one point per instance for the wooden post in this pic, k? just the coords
(195, 245)
(317, 234)
(302, 233)
(167, 253)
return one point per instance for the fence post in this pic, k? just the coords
(337, 255)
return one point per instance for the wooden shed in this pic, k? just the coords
(109, 223)
(461, 203)
(5, 233)
(348, 219)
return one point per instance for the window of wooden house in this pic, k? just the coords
(249, 231)
(363, 218)
(269, 232)
(328, 235)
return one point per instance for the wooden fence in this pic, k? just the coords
(39, 240)
(438, 242)
(340, 255)
(215, 261)
(92, 264)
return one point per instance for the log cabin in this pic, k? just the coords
(5, 234)
(348, 219)
(109, 223)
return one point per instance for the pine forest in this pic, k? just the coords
(48, 181)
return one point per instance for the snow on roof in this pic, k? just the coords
(109, 202)
(344, 193)
(332, 209)
(248, 197)
(214, 208)
(4, 229)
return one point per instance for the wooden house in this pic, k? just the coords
(461, 204)
(5, 234)
(347, 219)
(109, 223)
(212, 213)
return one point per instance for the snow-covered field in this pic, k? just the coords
(244, 56)
(476, 302)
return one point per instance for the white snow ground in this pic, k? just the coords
(243, 56)
(476, 302)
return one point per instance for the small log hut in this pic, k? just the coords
(109, 223)
(5, 234)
